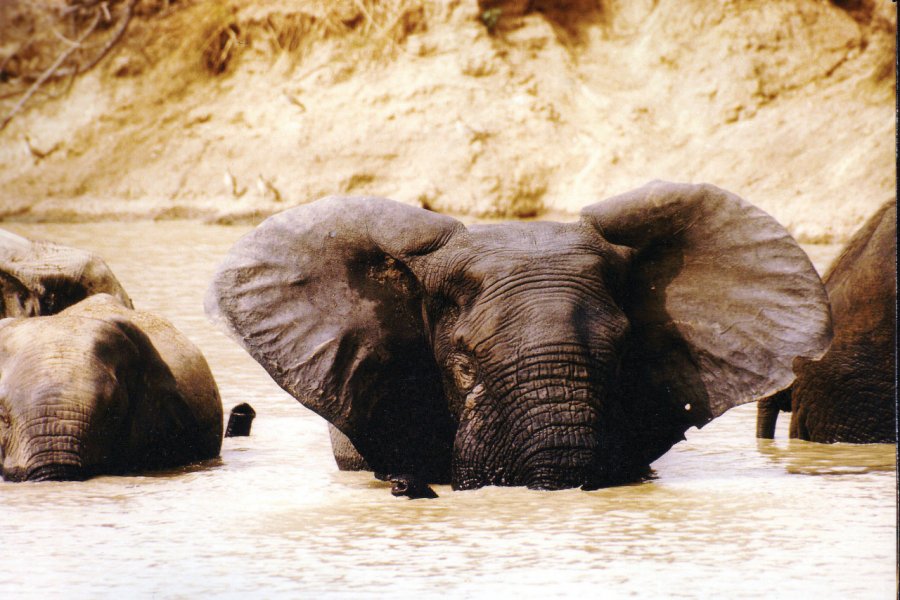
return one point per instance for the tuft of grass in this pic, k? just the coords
(221, 47)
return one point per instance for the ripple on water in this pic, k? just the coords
(725, 515)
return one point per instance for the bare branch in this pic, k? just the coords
(50, 71)
(55, 72)
(63, 38)
(124, 20)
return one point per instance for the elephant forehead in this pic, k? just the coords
(48, 338)
(553, 249)
(526, 236)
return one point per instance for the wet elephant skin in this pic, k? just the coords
(102, 389)
(539, 354)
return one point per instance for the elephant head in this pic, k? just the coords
(57, 276)
(87, 391)
(538, 354)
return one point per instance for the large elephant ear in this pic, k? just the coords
(321, 296)
(721, 300)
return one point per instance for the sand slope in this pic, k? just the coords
(230, 111)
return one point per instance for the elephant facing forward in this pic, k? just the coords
(849, 395)
(102, 389)
(539, 354)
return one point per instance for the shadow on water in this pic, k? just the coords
(809, 458)
(197, 467)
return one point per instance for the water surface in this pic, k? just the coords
(726, 516)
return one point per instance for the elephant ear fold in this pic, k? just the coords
(322, 297)
(721, 298)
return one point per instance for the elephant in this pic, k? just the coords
(100, 388)
(540, 354)
(849, 395)
(50, 277)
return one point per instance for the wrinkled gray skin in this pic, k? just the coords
(540, 354)
(42, 278)
(849, 395)
(102, 389)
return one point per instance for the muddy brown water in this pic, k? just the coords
(726, 516)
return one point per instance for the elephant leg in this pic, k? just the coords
(767, 411)
(345, 453)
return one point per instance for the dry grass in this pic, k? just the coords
(371, 26)
(35, 33)
(415, 100)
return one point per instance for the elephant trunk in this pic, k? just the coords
(52, 442)
(57, 471)
(560, 455)
(45, 464)
(55, 457)
(556, 433)
(767, 411)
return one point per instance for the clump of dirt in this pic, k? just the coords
(229, 111)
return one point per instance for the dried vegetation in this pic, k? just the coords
(231, 110)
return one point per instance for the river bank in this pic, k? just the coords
(228, 112)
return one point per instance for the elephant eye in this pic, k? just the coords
(463, 369)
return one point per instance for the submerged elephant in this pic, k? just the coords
(849, 395)
(102, 389)
(539, 354)
(45, 278)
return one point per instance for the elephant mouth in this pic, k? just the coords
(554, 437)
